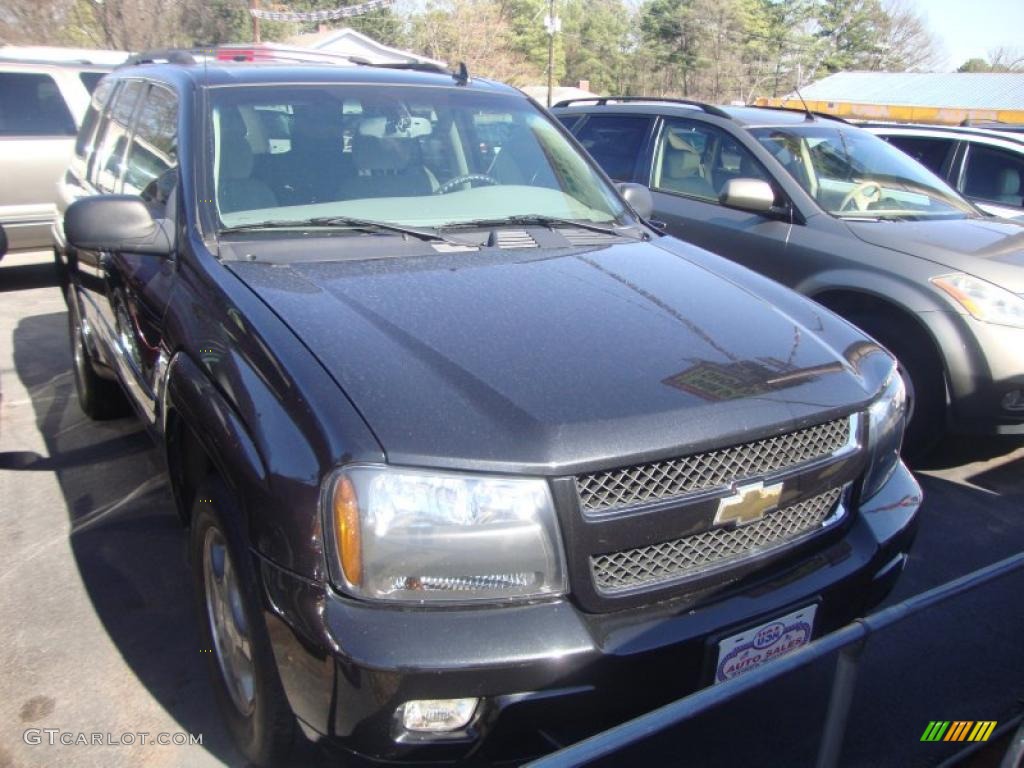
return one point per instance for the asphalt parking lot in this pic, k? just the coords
(100, 633)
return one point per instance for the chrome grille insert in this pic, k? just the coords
(691, 555)
(720, 468)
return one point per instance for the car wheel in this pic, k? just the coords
(233, 632)
(98, 397)
(925, 383)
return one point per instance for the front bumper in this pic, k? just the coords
(546, 669)
(985, 363)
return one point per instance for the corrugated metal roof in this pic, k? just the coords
(966, 90)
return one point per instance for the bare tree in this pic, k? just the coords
(35, 22)
(1005, 59)
(907, 43)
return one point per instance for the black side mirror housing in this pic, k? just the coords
(117, 223)
(639, 198)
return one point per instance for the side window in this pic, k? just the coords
(153, 154)
(31, 104)
(697, 160)
(92, 117)
(930, 152)
(995, 175)
(615, 142)
(112, 140)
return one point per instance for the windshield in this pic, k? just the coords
(426, 157)
(853, 174)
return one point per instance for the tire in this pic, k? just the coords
(922, 374)
(99, 398)
(233, 633)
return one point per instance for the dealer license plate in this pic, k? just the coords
(759, 645)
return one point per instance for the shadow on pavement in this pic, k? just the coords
(954, 450)
(125, 535)
(21, 277)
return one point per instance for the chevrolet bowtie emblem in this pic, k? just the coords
(748, 504)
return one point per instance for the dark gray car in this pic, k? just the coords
(838, 214)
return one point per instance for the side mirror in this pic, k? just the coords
(117, 223)
(748, 195)
(639, 198)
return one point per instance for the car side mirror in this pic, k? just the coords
(748, 195)
(639, 198)
(117, 223)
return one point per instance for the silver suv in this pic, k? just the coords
(41, 106)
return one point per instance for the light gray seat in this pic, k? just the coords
(387, 167)
(237, 190)
(681, 169)
(1008, 187)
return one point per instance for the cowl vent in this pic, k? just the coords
(512, 238)
(587, 237)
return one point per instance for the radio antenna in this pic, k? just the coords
(810, 115)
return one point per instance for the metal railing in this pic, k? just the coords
(849, 642)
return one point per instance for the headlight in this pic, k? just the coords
(887, 418)
(984, 300)
(418, 535)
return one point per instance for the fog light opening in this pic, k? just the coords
(1014, 401)
(437, 715)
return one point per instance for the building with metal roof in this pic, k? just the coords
(928, 97)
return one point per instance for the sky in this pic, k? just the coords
(970, 28)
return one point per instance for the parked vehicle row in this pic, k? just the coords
(466, 448)
(839, 215)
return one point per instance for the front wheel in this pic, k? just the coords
(233, 633)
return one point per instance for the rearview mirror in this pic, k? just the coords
(639, 198)
(748, 195)
(117, 223)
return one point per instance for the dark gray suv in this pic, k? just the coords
(464, 447)
(836, 213)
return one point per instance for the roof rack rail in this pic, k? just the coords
(162, 56)
(601, 101)
(781, 108)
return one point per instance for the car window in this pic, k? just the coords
(854, 174)
(112, 140)
(696, 159)
(31, 104)
(153, 153)
(91, 79)
(414, 156)
(92, 117)
(616, 142)
(930, 151)
(995, 175)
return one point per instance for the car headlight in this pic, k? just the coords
(887, 419)
(419, 535)
(983, 300)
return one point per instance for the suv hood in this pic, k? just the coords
(553, 360)
(992, 249)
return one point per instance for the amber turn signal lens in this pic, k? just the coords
(346, 527)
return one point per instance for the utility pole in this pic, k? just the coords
(254, 5)
(553, 24)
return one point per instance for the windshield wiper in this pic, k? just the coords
(540, 220)
(366, 225)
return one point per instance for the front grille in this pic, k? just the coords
(688, 556)
(713, 469)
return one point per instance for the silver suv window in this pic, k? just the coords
(31, 104)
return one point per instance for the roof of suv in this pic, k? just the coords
(220, 73)
(747, 117)
(1013, 134)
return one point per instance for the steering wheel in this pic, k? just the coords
(467, 178)
(862, 195)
